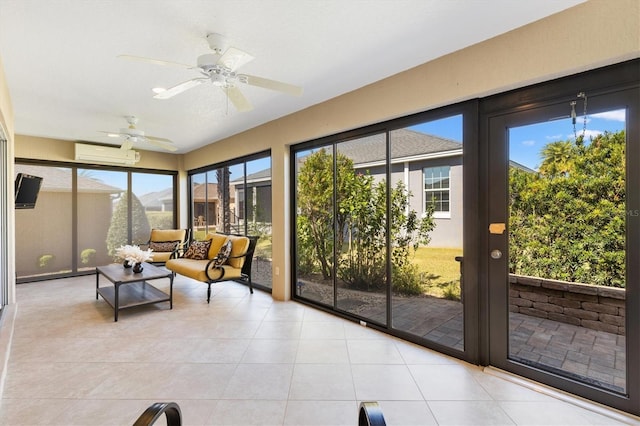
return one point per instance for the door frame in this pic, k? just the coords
(495, 113)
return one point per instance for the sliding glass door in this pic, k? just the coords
(379, 227)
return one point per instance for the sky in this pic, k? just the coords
(526, 142)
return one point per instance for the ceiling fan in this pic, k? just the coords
(219, 68)
(131, 134)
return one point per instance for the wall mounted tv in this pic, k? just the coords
(27, 189)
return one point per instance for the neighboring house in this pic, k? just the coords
(206, 204)
(259, 195)
(158, 201)
(429, 166)
(44, 243)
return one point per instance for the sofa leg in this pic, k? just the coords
(208, 292)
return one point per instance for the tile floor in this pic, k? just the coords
(243, 360)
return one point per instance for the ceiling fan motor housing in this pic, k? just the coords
(208, 62)
(217, 42)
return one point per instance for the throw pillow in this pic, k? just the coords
(198, 250)
(223, 254)
(163, 246)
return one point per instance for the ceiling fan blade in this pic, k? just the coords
(271, 84)
(155, 61)
(111, 134)
(175, 90)
(238, 99)
(234, 58)
(155, 138)
(162, 143)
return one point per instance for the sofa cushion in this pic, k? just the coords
(168, 235)
(240, 245)
(198, 250)
(195, 269)
(217, 240)
(161, 256)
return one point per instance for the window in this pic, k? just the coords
(235, 197)
(85, 213)
(436, 190)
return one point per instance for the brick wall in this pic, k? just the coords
(596, 307)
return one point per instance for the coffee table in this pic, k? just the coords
(132, 289)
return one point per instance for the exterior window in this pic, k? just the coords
(436, 190)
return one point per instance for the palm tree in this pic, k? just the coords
(557, 158)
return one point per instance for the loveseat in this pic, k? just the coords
(219, 257)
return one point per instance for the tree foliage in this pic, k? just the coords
(567, 222)
(118, 233)
(361, 218)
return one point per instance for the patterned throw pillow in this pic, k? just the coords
(163, 246)
(198, 250)
(223, 254)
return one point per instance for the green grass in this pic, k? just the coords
(441, 263)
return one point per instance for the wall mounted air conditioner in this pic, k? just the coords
(105, 154)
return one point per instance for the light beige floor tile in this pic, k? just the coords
(356, 331)
(322, 382)
(247, 413)
(29, 411)
(215, 351)
(242, 359)
(322, 351)
(407, 413)
(279, 330)
(271, 351)
(322, 330)
(471, 413)
(260, 381)
(52, 380)
(384, 382)
(321, 413)
(503, 390)
(447, 382)
(283, 311)
(85, 412)
(553, 413)
(414, 354)
(379, 351)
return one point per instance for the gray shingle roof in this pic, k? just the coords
(404, 143)
(56, 179)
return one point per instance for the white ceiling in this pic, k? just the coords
(66, 81)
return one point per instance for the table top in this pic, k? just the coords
(118, 274)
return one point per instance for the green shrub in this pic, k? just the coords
(45, 260)
(87, 255)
